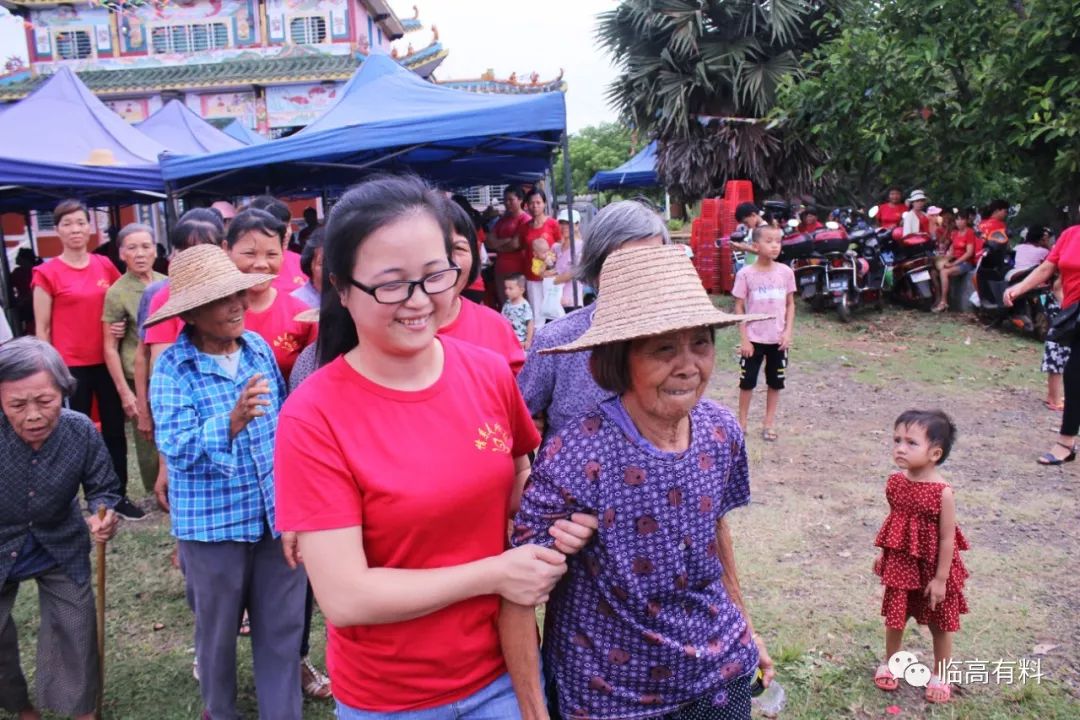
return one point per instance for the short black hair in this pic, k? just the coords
(518, 278)
(995, 205)
(939, 428)
(514, 190)
(252, 220)
(198, 226)
(745, 210)
(67, 207)
(275, 207)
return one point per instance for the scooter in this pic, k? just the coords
(993, 274)
(912, 263)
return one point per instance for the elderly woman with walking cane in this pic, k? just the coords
(47, 453)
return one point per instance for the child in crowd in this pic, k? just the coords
(517, 310)
(920, 563)
(766, 287)
(1055, 356)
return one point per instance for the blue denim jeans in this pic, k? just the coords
(494, 702)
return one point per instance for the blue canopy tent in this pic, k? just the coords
(182, 131)
(241, 132)
(388, 118)
(62, 141)
(638, 171)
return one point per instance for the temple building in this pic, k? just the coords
(272, 65)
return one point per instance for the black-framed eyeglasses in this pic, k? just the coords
(399, 291)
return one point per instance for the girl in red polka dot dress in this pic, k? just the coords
(920, 563)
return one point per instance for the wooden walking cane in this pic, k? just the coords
(101, 617)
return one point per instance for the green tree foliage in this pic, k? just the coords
(700, 75)
(971, 100)
(595, 148)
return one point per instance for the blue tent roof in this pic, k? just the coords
(182, 131)
(53, 142)
(241, 132)
(638, 171)
(387, 117)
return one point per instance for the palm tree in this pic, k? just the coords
(702, 76)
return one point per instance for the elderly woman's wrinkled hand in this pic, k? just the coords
(571, 536)
(102, 529)
(118, 329)
(765, 663)
(250, 404)
(527, 574)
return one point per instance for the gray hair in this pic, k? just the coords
(132, 228)
(26, 356)
(616, 224)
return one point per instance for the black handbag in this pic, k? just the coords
(1063, 328)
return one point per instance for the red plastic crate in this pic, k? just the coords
(739, 191)
(709, 208)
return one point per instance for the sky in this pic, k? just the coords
(513, 36)
(505, 36)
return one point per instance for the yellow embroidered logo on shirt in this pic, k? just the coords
(287, 342)
(493, 438)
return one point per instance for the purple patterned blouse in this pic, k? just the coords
(641, 624)
(560, 384)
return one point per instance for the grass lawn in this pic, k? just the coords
(805, 544)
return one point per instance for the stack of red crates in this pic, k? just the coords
(717, 220)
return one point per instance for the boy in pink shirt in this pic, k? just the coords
(766, 287)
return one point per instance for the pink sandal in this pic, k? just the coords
(884, 679)
(938, 692)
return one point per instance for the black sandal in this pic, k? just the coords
(1049, 459)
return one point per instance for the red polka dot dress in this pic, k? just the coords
(909, 557)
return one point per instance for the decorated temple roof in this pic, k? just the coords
(488, 83)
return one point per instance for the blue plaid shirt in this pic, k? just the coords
(220, 489)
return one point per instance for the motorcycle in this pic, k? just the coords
(912, 266)
(825, 269)
(993, 274)
(867, 282)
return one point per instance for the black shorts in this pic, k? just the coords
(775, 364)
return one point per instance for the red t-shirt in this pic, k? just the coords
(890, 215)
(960, 240)
(291, 276)
(991, 227)
(510, 261)
(428, 474)
(478, 283)
(165, 331)
(1066, 255)
(803, 228)
(78, 297)
(551, 233)
(285, 335)
(482, 326)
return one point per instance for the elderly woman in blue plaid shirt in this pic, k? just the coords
(215, 396)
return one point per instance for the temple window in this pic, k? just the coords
(307, 30)
(73, 44)
(189, 38)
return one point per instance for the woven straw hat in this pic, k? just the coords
(646, 292)
(200, 275)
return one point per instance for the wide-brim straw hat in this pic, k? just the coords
(200, 275)
(646, 292)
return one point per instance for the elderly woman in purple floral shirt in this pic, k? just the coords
(649, 621)
(560, 386)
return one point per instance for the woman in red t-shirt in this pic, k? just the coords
(69, 298)
(1064, 258)
(470, 321)
(254, 244)
(961, 257)
(398, 464)
(538, 237)
(891, 212)
(504, 239)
